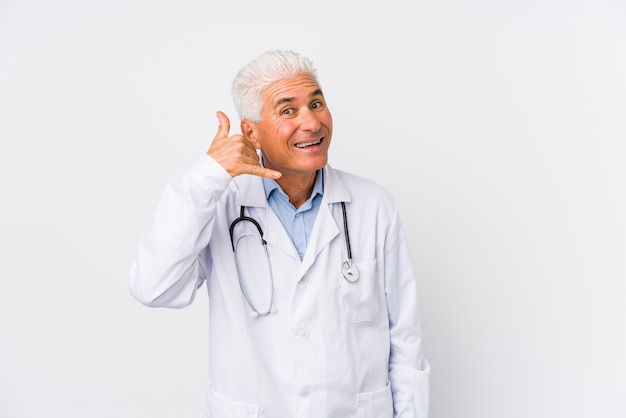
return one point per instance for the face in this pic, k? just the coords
(295, 128)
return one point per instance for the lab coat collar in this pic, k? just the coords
(252, 194)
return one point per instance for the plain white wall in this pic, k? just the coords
(500, 126)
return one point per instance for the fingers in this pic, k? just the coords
(265, 172)
(250, 163)
(235, 153)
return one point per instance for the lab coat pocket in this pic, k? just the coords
(360, 298)
(221, 407)
(377, 404)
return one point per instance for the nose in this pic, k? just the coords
(309, 121)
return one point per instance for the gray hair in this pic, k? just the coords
(259, 73)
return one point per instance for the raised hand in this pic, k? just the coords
(235, 153)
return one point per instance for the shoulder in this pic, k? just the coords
(365, 192)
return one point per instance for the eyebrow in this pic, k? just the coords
(316, 92)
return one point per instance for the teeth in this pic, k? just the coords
(307, 144)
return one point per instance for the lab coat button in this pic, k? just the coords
(304, 392)
(303, 333)
(302, 280)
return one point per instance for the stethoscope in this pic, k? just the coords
(348, 269)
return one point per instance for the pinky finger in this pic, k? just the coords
(257, 170)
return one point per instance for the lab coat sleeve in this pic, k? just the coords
(408, 370)
(167, 271)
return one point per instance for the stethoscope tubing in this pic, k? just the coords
(349, 270)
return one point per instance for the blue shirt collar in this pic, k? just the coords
(271, 185)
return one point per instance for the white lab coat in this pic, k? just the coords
(333, 348)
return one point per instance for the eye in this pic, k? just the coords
(288, 111)
(317, 105)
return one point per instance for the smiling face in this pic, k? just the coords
(295, 128)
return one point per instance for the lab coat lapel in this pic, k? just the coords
(252, 196)
(326, 225)
(324, 231)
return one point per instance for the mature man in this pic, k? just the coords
(313, 308)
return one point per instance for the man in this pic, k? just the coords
(312, 307)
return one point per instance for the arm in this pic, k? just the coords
(408, 369)
(168, 269)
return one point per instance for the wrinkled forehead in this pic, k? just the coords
(302, 87)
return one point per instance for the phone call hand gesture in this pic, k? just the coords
(235, 153)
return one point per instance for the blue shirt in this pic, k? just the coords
(297, 222)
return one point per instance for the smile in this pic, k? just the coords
(308, 144)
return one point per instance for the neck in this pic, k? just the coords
(298, 188)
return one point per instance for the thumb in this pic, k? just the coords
(224, 125)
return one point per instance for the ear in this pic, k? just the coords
(249, 131)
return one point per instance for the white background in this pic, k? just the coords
(499, 126)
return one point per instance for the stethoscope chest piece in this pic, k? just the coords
(349, 271)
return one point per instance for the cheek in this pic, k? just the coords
(327, 120)
(267, 136)
(284, 131)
